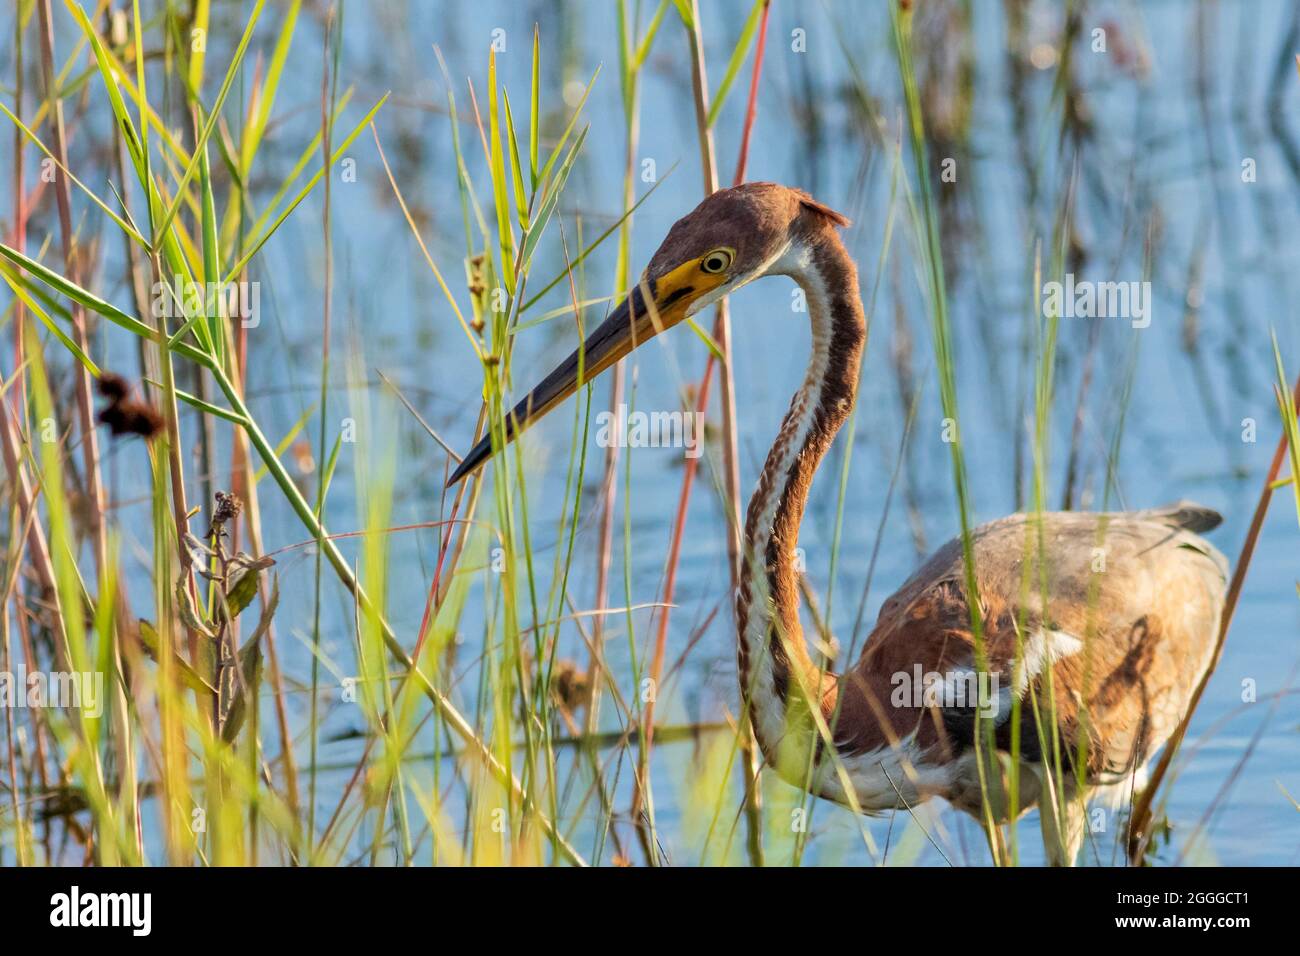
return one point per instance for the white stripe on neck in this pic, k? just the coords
(767, 706)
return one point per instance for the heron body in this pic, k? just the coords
(1093, 629)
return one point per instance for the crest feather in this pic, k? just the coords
(838, 219)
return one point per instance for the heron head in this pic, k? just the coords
(731, 238)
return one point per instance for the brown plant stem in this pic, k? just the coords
(85, 404)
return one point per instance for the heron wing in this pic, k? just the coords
(1099, 625)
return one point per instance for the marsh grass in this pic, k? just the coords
(203, 227)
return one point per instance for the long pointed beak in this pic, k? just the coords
(627, 327)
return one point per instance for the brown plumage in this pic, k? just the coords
(1095, 628)
(1137, 597)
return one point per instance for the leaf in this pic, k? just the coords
(287, 440)
(121, 223)
(1287, 412)
(268, 611)
(151, 642)
(244, 588)
(707, 339)
(500, 185)
(255, 245)
(58, 333)
(643, 50)
(250, 666)
(550, 199)
(214, 115)
(189, 614)
(534, 118)
(578, 259)
(94, 303)
(516, 168)
(110, 85)
(243, 560)
(564, 137)
(737, 58)
(200, 553)
(206, 407)
(214, 341)
(266, 97)
(241, 593)
(684, 11)
(309, 151)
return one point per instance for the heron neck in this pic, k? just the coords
(772, 652)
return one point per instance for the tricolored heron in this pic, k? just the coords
(1094, 628)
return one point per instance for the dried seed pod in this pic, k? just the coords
(228, 508)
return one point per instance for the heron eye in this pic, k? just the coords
(719, 260)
